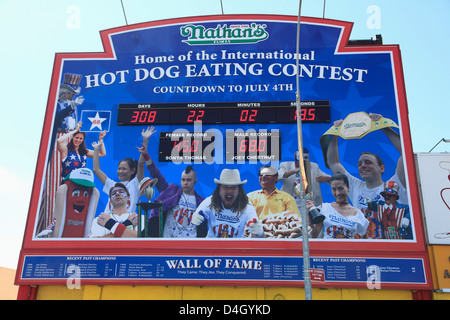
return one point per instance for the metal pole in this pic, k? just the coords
(443, 139)
(139, 220)
(303, 212)
(124, 14)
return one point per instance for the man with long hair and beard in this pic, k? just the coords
(228, 210)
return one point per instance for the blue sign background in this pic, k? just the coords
(152, 63)
(336, 269)
(367, 85)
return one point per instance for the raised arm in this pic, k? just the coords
(333, 156)
(162, 184)
(284, 172)
(96, 163)
(61, 142)
(102, 151)
(394, 137)
(146, 134)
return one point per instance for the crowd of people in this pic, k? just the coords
(363, 208)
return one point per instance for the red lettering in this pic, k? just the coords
(195, 115)
(135, 116)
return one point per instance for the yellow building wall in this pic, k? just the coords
(439, 261)
(118, 292)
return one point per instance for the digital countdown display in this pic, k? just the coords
(182, 146)
(261, 145)
(223, 113)
(251, 145)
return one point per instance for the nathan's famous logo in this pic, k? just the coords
(222, 34)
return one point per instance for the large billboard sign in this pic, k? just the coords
(196, 118)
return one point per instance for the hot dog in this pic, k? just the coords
(282, 225)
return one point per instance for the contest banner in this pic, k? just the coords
(177, 147)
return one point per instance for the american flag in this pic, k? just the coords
(52, 182)
(72, 79)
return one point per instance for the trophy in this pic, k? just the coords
(146, 188)
(315, 215)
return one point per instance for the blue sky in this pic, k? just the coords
(33, 31)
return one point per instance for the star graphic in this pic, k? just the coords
(96, 121)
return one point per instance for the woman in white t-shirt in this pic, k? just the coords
(342, 220)
(129, 172)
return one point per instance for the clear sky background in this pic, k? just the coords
(31, 32)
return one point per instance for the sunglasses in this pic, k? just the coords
(268, 175)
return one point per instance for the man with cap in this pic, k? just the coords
(393, 219)
(269, 199)
(119, 223)
(228, 210)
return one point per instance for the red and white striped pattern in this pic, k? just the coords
(52, 182)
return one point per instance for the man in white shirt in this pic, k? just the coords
(119, 223)
(370, 169)
(289, 173)
(228, 210)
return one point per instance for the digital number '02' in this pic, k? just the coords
(143, 116)
(248, 115)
